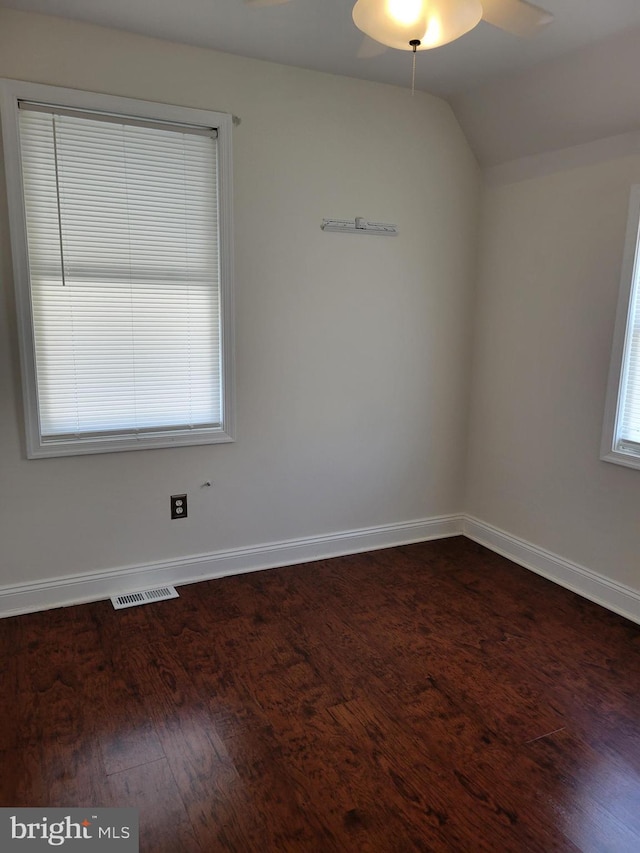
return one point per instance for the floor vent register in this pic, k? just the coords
(133, 599)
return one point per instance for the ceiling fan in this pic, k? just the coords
(425, 24)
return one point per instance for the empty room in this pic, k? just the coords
(320, 426)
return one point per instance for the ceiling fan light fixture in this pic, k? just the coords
(396, 23)
(405, 12)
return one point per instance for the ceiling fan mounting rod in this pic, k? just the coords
(415, 44)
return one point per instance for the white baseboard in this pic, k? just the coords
(589, 584)
(95, 586)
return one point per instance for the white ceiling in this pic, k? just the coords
(319, 34)
(588, 95)
(573, 83)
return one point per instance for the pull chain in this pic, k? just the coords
(415, 44)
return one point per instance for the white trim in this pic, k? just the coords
(589, 584)
(95, 586)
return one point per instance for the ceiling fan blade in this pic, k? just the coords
(369, 48)
(515, 16)
(257, 3)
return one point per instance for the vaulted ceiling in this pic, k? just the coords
(573, 82)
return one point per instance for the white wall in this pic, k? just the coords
(352, 352)
(552, 243)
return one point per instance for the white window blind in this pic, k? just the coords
(621, 432)
(122, 232)
(629, 419)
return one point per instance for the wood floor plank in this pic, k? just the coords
(555, 791)
(346, 787)
(432, 697)
(165, 826)
(212, 791)
(293, 818)
(55, 759)
(407, 768)
(608, 789)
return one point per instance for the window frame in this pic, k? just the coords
(629, 290)
(13, 91)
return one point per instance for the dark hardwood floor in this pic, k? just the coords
(432, 697)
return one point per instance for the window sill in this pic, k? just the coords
(627, 458)
(83, 447)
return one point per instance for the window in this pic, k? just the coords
(621, 438)
(120, 216)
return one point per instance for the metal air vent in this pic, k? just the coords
(132, 599)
